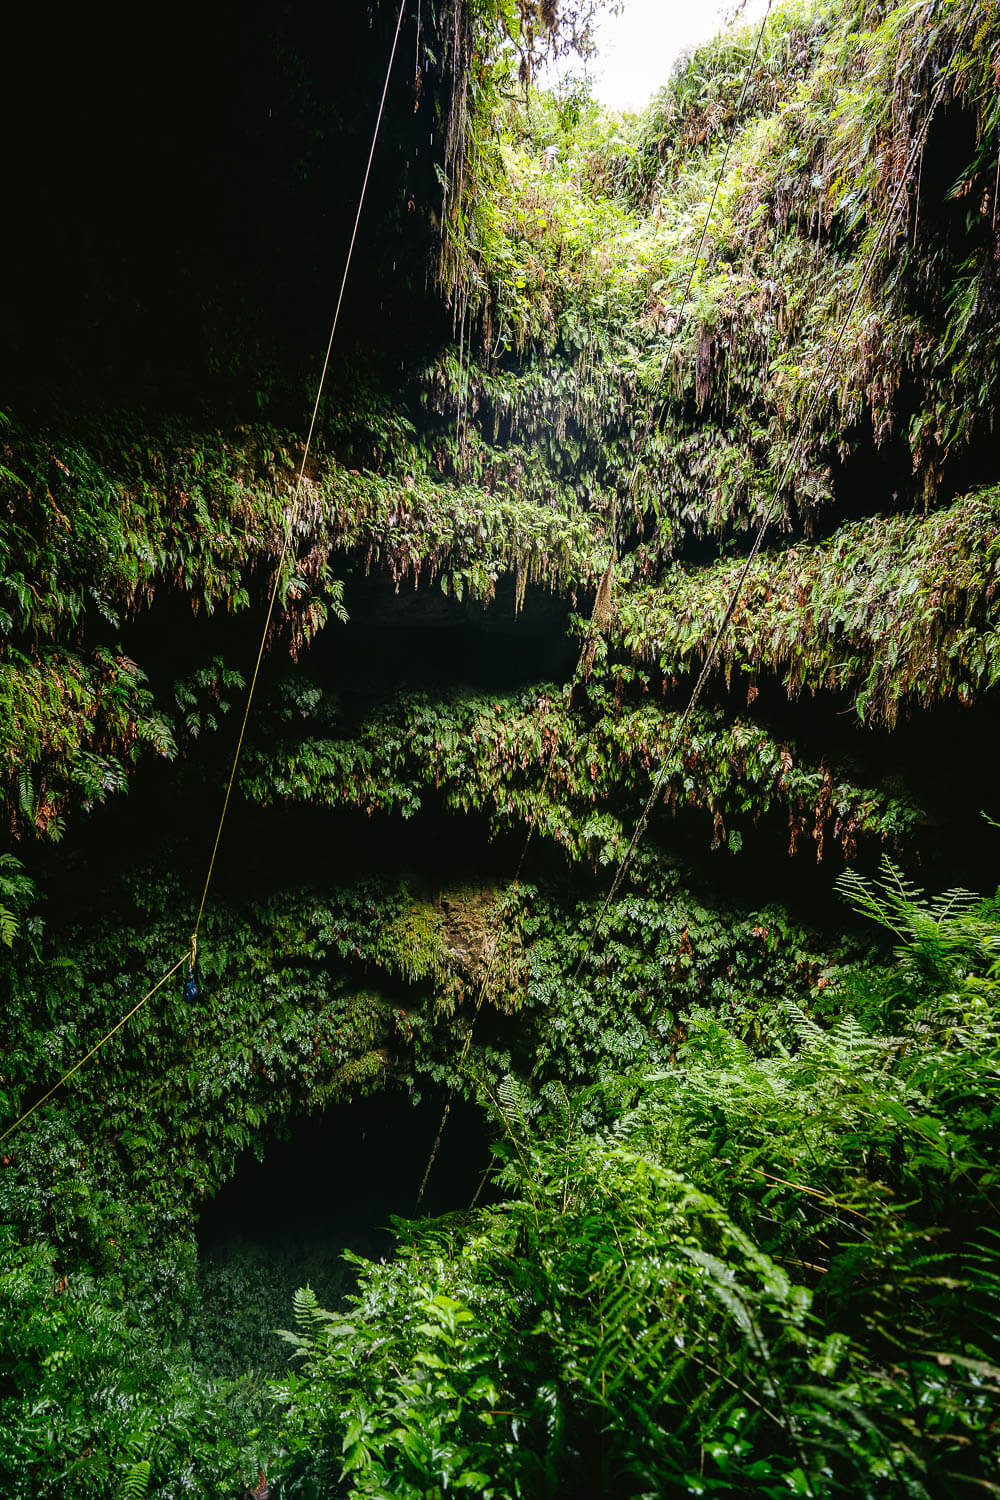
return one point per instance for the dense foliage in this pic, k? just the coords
(742, 1234)
(499, 452)
(503, 752)
(316, 995)
(764, 1270)
(892, 611)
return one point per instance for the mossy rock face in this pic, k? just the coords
(459, 940)
(470, 918)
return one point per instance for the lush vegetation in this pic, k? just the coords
(500, 452)
(890, 611)
(757, 1253)
(316, 995)
(741, 1236)
(771, 1213)
(768, 1269)
(579, 778)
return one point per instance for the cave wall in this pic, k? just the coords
(185, 193)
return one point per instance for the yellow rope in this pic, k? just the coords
(98, 1045)
(299, 482)
(190, 956)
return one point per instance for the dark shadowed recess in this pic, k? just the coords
(331, 1185)
(395, 638)
(181, 184)
(393, 642)
(943, 759)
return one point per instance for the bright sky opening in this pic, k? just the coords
(638, 48)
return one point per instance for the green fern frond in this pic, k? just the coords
(136, 1484)
(889, 900)
(514, 1101)
(807, 1033)
(26, 794)
(308, 1313)
(956, 902)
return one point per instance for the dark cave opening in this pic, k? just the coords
(395, 638)
(331, 1184)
